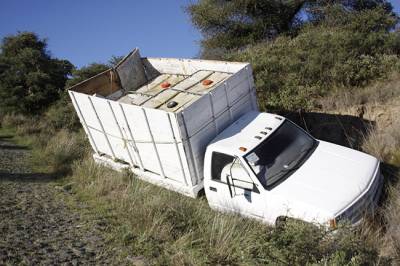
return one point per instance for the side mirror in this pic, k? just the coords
(237, 182)
(239, 178)
(229, 185)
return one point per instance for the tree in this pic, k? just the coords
(227, 25)
(355, 5)
(79, 75)
(114, 60)
(231, 25)
(30, 78)
(61, 114)
(347, 50)
(321, 10)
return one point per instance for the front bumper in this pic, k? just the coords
(366, 203)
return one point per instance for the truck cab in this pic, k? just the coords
(265, 167)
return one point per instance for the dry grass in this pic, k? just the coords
(384, 143)
(168, 228)
(380, 92)
(163, 225)
(392, 234)
(380, 104)
(52, 151)
(59, 151)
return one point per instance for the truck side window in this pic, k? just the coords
(218, 162)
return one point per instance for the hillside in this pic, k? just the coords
(332, 67)
(147, 224)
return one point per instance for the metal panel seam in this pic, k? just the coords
(83, 121)
(190, 151)
(154, 144)
(177, 149)
(220, 114)
(120, 132)
(133, 139)
(227, 102)
(253, 103)
(102, 128)
(213, 113)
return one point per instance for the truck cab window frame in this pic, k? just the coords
(220, 160)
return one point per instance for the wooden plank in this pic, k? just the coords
(183, 98)
(159, 97)
(151, 87)
(103, 84)
(216, 77)
(193, 80)
(172, 79)
(144, 93)
(166, 95)
(152, 95)
(135, 99)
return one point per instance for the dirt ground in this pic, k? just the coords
(37, 226)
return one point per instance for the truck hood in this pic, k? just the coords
(328, 182)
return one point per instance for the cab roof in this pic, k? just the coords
(247, 132)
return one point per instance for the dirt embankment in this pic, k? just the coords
(37, 226)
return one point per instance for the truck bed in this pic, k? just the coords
(183, 89)
(156, 116)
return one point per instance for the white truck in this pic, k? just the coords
(189, 125)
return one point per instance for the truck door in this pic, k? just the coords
(232, 189)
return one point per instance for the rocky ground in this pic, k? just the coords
(37, 227)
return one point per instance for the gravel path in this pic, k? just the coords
(36, 226)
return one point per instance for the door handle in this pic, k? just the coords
(213, 189)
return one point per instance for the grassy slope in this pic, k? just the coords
(147, 223)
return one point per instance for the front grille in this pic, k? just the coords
(366, 204)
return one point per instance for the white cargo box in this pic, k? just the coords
(156, 116)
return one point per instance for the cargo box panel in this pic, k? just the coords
(157, 115)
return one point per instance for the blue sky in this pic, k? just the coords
(91, 31)
(88, 31)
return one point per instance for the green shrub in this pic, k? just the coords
(59, 151)
(294, 71)
(62, 114)
(30, 79)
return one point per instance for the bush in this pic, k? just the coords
(30, 79)
(62, 114)
(294, 71)
(59, 151)
(54, 148)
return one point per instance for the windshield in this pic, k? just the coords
(278, 156)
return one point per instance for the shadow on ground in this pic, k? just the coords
(15, 165)
(345, 130)
(5, 137)
(13, 147)
(28, 177)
